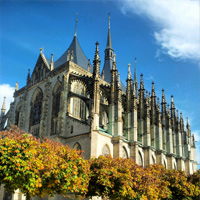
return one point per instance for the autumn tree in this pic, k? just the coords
(180, 187)
(111, 177)
(39, 168)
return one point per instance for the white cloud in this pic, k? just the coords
(6, 91)
(196, 135)
(177, 24)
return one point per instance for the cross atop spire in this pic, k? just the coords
(76, 26)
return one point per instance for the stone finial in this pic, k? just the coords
(163, 96)
(188, 123)
(129, 71)
(141, 82)
(134, 90)
(88, 65)
(114, 57)
(51, 63)
(68, 54)
(118, 80)
(16, 86)
(41, 50)
(153, 89)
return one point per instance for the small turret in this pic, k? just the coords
(3, 109)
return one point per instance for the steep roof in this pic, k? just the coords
(79, 56)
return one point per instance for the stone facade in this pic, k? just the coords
(72, 101)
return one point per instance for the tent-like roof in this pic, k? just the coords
(78, 54)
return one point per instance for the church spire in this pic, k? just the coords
(109, 43)
(109, 56)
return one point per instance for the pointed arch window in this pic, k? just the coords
(36, 109)
(55, 109)
(140, 159)
(17, 115)
(77, 146)
(78, 107)
(124, 153)
(105, 150)
(56, 102)
(104, 120)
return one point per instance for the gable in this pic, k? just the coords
(40, 71)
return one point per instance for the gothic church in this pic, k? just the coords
(70, 99)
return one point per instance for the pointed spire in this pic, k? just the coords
(135, 73)
(153, 94)
(109, 43)
(172, 102)
(163, 96)
(16, 86)
(129, 71)
(3, 109)
(41, 50)
(158, 103)
(96, 61)
(141, 82)
(188, 124)
(76, 26)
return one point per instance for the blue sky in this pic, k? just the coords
(162, 35)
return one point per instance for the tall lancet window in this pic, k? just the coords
(78, 108)
(17, 114)
(55, 109)
(36, 109)
(56, 101)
